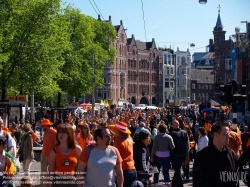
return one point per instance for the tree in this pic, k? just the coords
(88, 37)
(31, 43)
(49, 50)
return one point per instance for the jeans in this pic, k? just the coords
(129, 177)
(165, 163)
(177, 162)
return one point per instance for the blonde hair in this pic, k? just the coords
(124, 136)
(26, 127)
(88, 133)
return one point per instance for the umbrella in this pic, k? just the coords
(86, 104)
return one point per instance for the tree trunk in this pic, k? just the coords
(59, 99)
(3, 93)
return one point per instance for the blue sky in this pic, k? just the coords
(171, 22)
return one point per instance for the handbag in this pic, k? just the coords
(21, 157)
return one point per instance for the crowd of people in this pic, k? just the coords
(122, 147)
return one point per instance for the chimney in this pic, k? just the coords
(110, 19)
(121, 22)
(211, 45)
(99, 17)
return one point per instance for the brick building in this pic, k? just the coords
(222, 49)
(202, 82)
(144, 80)
(114, 74)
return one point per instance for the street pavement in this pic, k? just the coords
(35, 174)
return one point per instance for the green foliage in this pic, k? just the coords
(88, 37)
(49, 49)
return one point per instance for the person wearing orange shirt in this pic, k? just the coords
(84, 136)
(64, 157)
(49, 141)
(234, 140)
(124, 144)
(208, 127)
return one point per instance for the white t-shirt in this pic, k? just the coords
(9, 143)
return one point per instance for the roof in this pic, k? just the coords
(218, 26)
(213, 102)
(202, 76)
(198, 55)
(129, 40)
(209, 56)
(117, 28)
(143, 45)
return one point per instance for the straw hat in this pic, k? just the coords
(121, 126)
(46, 122)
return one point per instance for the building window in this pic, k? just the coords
(122, 37)
(169, 60)
(171, 71)
(193, 96)
(183, 71)
(166, 84)
(171, 84)
(99, 95)
(193, 85)
(183, 60)
(184, 82)
(228, 64)
(199, 86)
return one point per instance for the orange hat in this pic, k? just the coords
(46, 122)
(121, 126)
(6, 129)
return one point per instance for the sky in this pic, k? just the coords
(175, 23)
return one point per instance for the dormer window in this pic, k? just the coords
(207, 62)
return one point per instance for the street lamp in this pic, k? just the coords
(202, 1)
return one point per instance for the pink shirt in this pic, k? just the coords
(162, 153)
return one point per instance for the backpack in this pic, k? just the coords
(11, 169)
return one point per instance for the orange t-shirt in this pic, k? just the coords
(126, 152)
(82, 141)
(65, 164)
(49, 141)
